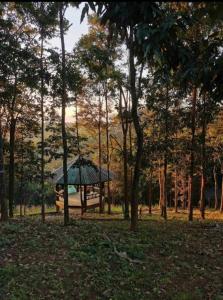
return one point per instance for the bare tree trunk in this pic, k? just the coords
(12, 165)
(139, 134)
(124, 123)
(175, 191)
(221, 205)
(64, 103)
(21, 179)
(3, 202)
(150, 194)
(107, 146)
(191, 175)
(125, 169)
(215, 189)
(203, 163)
(42, 135)
(101, 209)
(184, 193)
(165, 189)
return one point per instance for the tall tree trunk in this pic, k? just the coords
(107, 148)
(175, 191)
(21, 179)
(64, 103)
(101, 209)
(125, 169)
(215, 188)
(12, 165)
(42, 135)
(124, 123)
(139, 133)
(150, 194)
(184, 193)
(221, 205)
(203, 162)
(3, 202)
(165, 157)
(164, 208)
(191, 174)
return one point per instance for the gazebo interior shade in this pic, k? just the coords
(90, 174)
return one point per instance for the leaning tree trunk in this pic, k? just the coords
(3, 202)
(215, 189)
(12, 165)
(139, 134)
(191, 174)
(42, 135)
(203, 163)
(64, 102)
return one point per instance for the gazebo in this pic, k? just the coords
(85, 184)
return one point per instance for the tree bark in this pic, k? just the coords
(12, 165)
(139, 134)
(107, 148)
(64, 102)
(124, 123)
(150, 195)
(191, 175)
(203, 163)
(175, 191)
(42, 135)
(101, 208)
(215, 189)
(164, 208)
(221, 205)
(3, 202)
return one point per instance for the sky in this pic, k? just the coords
(72, 36)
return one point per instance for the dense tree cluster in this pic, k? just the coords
(146, 84)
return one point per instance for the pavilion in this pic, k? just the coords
(85, 184)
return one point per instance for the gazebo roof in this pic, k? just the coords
(89, 173)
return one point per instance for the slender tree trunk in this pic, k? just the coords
(184, 193)
(125, 169)
(124, 123)
(165, 157)
(139, 134)
(191, 175)
(107, 148)
(165, 189)
(150, 194)
(64, 102)
(203, 162)
(175, 191)
(12, 165)
(221, 205)
(42, 136)
(101, 209)
(215, 189)
(21, 179)
(3, 202)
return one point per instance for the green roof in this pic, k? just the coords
(89, 173)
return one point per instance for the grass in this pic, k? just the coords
(99, 258)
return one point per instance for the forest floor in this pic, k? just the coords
(99, 258)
